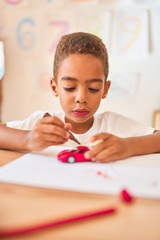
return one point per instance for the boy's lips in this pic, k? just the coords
(80, 112)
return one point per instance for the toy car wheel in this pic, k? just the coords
(71, 159)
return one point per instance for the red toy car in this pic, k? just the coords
(73, 155)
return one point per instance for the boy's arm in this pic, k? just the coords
(13, 139)
(145, 144)
(47, 132)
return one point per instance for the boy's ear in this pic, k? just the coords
(106, 88)
(53, 85)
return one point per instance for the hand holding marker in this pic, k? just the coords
(72, 137)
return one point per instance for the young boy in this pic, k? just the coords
(80, 80)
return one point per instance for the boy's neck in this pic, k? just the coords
(80, 128)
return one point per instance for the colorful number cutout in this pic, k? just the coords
(25, 35)
(63, 27)
(13, 1)
(132, 27)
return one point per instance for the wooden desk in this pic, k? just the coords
(24, 205)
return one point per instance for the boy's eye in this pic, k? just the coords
(94, 90)
(71, 89)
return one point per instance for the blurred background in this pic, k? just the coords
(30, 30)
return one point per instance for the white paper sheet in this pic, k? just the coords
(140, 175)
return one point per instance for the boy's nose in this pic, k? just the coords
(80, 96)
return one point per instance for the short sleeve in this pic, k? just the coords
(28, 123)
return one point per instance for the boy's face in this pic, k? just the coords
(80, 85)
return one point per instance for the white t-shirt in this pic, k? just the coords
(109, 122)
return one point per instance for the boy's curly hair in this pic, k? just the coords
(83, 43)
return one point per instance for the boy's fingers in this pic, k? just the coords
(55, 130)
(103, 156)
(97, 142)
(52, 119)
(53, 125)
(56, 121)
(100, 136)
(95, 150)
(100, 144)
(53, 139)
(67, 126)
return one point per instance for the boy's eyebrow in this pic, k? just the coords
(68, 78)
(74, 79)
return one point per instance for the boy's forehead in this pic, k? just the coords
(82, 60)
(81, 66)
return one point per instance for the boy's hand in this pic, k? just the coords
(110, 149)
(48, 131)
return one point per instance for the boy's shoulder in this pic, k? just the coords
(122, 125)
(29, 122)
(110, 115)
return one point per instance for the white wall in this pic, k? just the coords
(29, 30)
